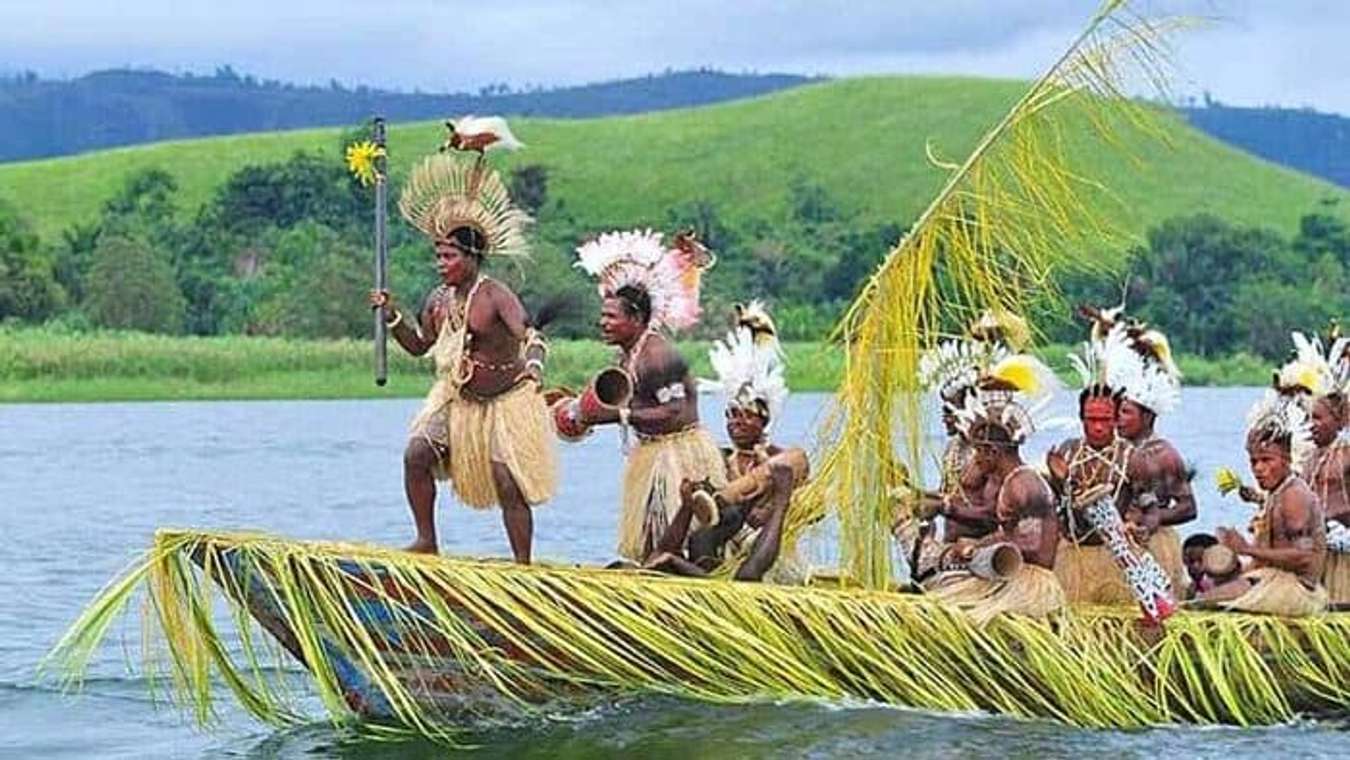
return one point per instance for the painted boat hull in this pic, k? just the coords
(433, 647)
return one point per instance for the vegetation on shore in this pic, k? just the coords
(236, 237)
(49, 364)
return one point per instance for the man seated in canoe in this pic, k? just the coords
(484, 426)
(1288, 545)
(647, 287)
(1008, 571)
(1317, 379)
(965, 497)
(1327, 467)
(1329, 476)
(1103, 557)
(744, 519)
(1160, 480)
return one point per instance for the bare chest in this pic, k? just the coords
(1329, 482)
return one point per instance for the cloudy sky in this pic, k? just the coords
(1288, 52)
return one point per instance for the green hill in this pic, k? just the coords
(862, 140)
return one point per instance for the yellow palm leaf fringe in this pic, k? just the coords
(519, 637)
(1018, 211)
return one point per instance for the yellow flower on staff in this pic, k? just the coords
(361, 161)
(1227, 480)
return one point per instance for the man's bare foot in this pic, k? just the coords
(422, 546)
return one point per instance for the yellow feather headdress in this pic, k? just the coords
(446, 191)
(1011, 395)
(1315, 370)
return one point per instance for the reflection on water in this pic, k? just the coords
(83, 487)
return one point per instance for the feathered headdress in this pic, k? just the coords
(750, 372)
(754, 317)
(1278, 417)
(1133, 359)
(1137, 362)
(954, 367)
(1003, 328)
(446, 192)
(670, 276)
(479, 133)
(1315, 370)
(1012, 396)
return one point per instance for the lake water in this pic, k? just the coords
(83, 487)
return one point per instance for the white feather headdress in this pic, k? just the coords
(670, 276)
(750, 372)
(1277, 415)
(1139, 373)
(954, 367)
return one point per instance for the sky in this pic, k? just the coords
(1249, 52)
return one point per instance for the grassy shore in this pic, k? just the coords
(50, 365)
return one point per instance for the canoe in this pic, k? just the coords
(432, 643)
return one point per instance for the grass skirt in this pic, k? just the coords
(1033, 591)
(651, 485)
(513, 429)
(1089, 575)
(1336, 577)
(1279, 592)
(1165, 546)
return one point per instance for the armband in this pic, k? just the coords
(535, 339)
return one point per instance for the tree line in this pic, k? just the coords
(283, 248)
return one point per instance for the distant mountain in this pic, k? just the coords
(742, 158)
(40, 118)
(1303, 139)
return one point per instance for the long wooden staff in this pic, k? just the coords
(381, 254)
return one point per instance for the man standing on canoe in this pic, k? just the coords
(646, 287)
(996, 419)
(1288, 545)
(744, 519)
(1150, 385)
(484, 426)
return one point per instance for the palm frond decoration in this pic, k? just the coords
(1015, 213)
(426, 644)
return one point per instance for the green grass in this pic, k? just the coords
(38, 364)
(861, 139)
